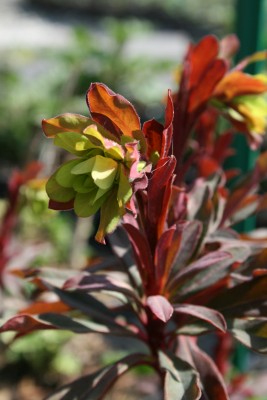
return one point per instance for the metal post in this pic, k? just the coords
(249, 18)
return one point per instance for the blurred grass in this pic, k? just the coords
(39, 84)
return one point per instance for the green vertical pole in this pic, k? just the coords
(249, 14)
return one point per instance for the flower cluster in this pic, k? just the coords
(102, 174)
(241, 97)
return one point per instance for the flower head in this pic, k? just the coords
(241, 97)
(105, 167)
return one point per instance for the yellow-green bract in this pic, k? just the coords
(99, 177)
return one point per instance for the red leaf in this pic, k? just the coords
(191, 233)
(168, 127)
(153, 130)
(178, 205)
(202, 92)
(202, 71)
(201, 56)
(158, 193)
(210, 377)
(160, 307)
(141, 250)
(207, 166)
(58, 206)
(222, 147)
(109, 108)
(24, 324)
(165, 254)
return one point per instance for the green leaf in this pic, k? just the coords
(116, 152)
(109, 217)
(64, 177)
(252, 333)
(73, 142)
(181, 380)
(84, 204)
(57, 192)
(104, 172)
(83, 184)
(65, 123)
(84, 167)
(125, 190)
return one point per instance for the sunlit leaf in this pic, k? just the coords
(181, 380)
(103, 103)
(95, 386)
(213, 317)
(160, 307)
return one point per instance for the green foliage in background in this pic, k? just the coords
(35, 83)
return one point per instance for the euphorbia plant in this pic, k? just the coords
(179, 268)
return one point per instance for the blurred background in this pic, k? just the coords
(50, 52)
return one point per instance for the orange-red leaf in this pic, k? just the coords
(41, 307)
(65, 123)
(108, 107)
(238, 84)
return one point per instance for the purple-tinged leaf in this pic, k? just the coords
(141, 250)
(252, 333)
(206, 314)
(121, 247)
(95, 386)
(97, 283)
(237, 195)
(24, 324)
(242, 299)
(191, 234)
(202, 274)
(79, 325)
(54, 276)
(181, 380)
(194, 328)
(165, 254)
(160, 307)
(247, 207)
(178, 206)
(209, 260)
(206, 202)
(210, 377)
(88, 304)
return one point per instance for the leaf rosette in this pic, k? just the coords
(103, 173)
